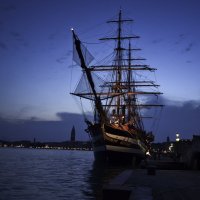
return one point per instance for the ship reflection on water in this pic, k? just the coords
(99, 175)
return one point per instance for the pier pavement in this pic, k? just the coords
(154, 184)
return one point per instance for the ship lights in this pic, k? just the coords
(177, 137)
(171, 147)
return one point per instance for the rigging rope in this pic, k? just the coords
(160, 114)
(70, 84)
(82, 110)
(156, 122)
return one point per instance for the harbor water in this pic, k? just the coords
(51, 174)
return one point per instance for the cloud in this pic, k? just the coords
(189, 47)
(27, 110)
(52, 36)
(6, 8)
(180, 39)
(17, 36)
(181, 117)
(43, 130)
(3, 45)
(156, 41)
(1, 25)
(63, 58)
(69, 53)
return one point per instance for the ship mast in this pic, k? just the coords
(119, 63)
(129, 79)
(119, 59)
(98, 105)
(122, 88)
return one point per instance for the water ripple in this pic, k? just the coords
(51, 174)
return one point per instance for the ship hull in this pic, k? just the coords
(116, 146)
(118, 155)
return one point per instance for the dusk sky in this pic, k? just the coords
(36, 73)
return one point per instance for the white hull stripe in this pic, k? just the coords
(124, 149)
(118, 149)
(127, 139)
(122, 138)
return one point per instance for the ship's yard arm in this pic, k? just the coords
(98, 105)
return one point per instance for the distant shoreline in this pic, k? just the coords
(67, 145)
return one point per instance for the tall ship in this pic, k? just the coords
(117, 130)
